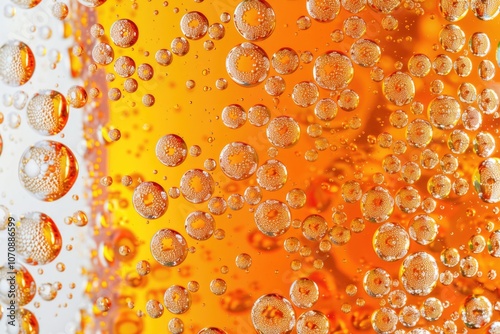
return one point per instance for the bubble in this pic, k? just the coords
(177, 299)
(399, 88)
(354, 26)
(17, 63)
(296, 198)
(60, 10)
(419, 133)
(486, 180)
(283, 132)
(348, 100)
(272, 218)
(326, 109)
(211, 330)
(76, 96)
(26, 4)
(163, 57)
(200, 225)
(488, 101)
(439, 186)
(48, 170)
(458, 141)
(218, 286)
(476, 311)
(275, 85)
(323, 10)
(467, 92)
(453, 10)
(313, 322)
(243, 261)
(377, 282)
(469, 266)
(216, 31)
(333, 71)
(391, 165)
(124, 33)
(285, 61)
(103, 54)
(197, 186)
(171, 150)
(145, 72)
(247, 64)
(238, 160)
(234, 116)
(259, 115)
(486, 70)
(150, 200)
(494, 243)
(304, 23)
(272, 175)
(377, 204)
(92, 3)
(217, 205)
(179, 46)
(254, 19)
(485, 10)
(365, 52)
(452, 38)
(25, 286)
(479, 44)
(314, 227)
(47, 112)
(462, 66)
(143, 268)
(169, 248)
(273, 313)
(384, 6)
(304, 293)
(423, 229)
(391, 242)
(176, 326)
(194, 25)
(431, 309)
(442, 64)
(351, 191)
(484, 144)
(419, 273)
(477, 243)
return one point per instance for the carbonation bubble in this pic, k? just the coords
(200, 225)
(409, 316)
(259, 115)
(469, 266)
(365, 52)
(326, 109)
(304, 293)
(296, 198)
(218, 286)
(254, 19)
(38, 239)
(47, 112)
(351, 191)
(197, 186)
(169, 248)
(163, 57)
(453, 10)
(354, 26)
(485, 10)
(494, 243)
(275, 85)
(313, 322)
(339, 235)
(272, 218)
(150, 200)
(452, 38)
(154, 308)
(234, 116)
(419, 273)
(216, 31)
(179, 46)
(408, 199)
(124, 67)
(247, 64)
(305, 94)
(4, 217)
(467, 92)
(399, 119)
(253, 195)
(143, 268)
(449, 164)
(410, 172)
(25, 286)
(124, 33)
(458, 141)
(272, 175)
(423, 229)
(92, 3)
(333, 71)
(177, 299)
(488, 101)
(323, 10)
(17, 63)
(431, 309)
(211, 330)
(399, 88)
(484, 144)
(377, 204)
(304, 23)
(314, 227)
(419, 133)
(217, 205)
(384, 6)
(391, 242)
(26, 4)
(285, 61)
(243, 261)
(479, 44)
(486, 70)
(283, 132)
(419, 65)
(477, 243)
(238, 160)
(194, 25)
(272, 314)
(348, 100)
(48, 170)
(60, 10)
(103, 54)
(145, 72)
(463, 66)
(476, 311)
(442, 64)
(176, 326)
(486, 180)
(171, 150)
(76, 96)
(439, 186)
(377, 282)
(384, 320)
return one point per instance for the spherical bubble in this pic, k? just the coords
(486, 180)
(452, 38)
(25, 286)
(351, 191)
(391, 164)
(176, 326)
(442, 64)
(171, 150)
(348, 100)
(272, 175)
(124, 33)
(296, 198)
(462, 66)
(259, 115)
(354, 26)
(272, 218)
(218, 286)
(458, 141)
(48, 170)
(333, 71)
(377, 204)
(313, 322)
(488, 101)
(323, 10)
(17, 63)
(243, 261)
(484, 144)
(486, 70)
(216, 31)
(47, 112)
(238, 160)
(377, 282)
(444, 112)
(273, 313)
(467, 92)
(365, 52)
(399, 88)
(469, 266)
(476, 311)
(419, 133)
(124, 67)
(92, 3)
(143, 268)
(217, 205)
(384, 320)
(410, 172)
(439, 186)
(60, 10)
(283, 131)
(429, 159)
(247, 64)
(304, 293)
(254, 19)
(26, 4)
(76, 96)
(326, 109)
(150, 200)
(197, 186)
(419, 273)
(200, 225)
(479, 44)
(494, 243)
(285, 61)
(179, 46)
(431, 309)
(163, 57)
(391, 242)
(145, 72)
(453, 10)
(211, 330)
(275, 85)
(169, 247)
(177, 299)
(339, 235)
(314, 227)
(38, 239)
(423, 229)
(194, 25)
(234, 116)
(485, 10)
(384, 6)
(477, 243)
(103, 54)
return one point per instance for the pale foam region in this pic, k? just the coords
(17, 24)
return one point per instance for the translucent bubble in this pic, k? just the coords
(176, 326)
(285, 61)
(47, 112)
(216, 31)
(124, 33)
(484, 144)
(391, 164)
(439, 186)
(494, 243)
(272, 218)
(450, 257)
(488, 101)
(477, 243)
(296, 198)
(273, 313)
(243, 261)
(469, 266)
(326, 109)
(60, 10)
(177, 299)
(351, 191)
(197, 185)
(313, 322)
(217, 205)
(305, 94)
(442, 64)
(399, 88)
(26, 4)
(377, 204)
(171, 150)
(234, 116)
(259, 115)
(92, 3)
(17, 63)
(458, 141)
(323, 10)
(377, 282)
(200, 225)
(354, 26)
(391, 242)
(348, 100)
(423, 229)
(254, 19)
(143, 268)
(48, 170)
(272, 175)
(25, 286)
(103, 304)
(485, 10)
(150, 200)
(452, 38)
(467, 92)
(76, 96)
(339, 235)
(47, 291)
(275, 85)
(419, 273)
(479, 44)
(211, 330)
(179, 46)
(194, 25)
(283, 131)
(304, 22)
(163, 57)
(431, 309)
(384, 6)
(476, 311)
(145, 72)
(333, 71)
(154, 308)
(462, 66)
(218, 286)
(314, 227)
(365, 52)
(304, 293)
(397, 298)
(419, 133)
(169, 248)
(486, 180)
(103, 54)
(238, 160)
(486, 70)
(247, 64)
(453, 10)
